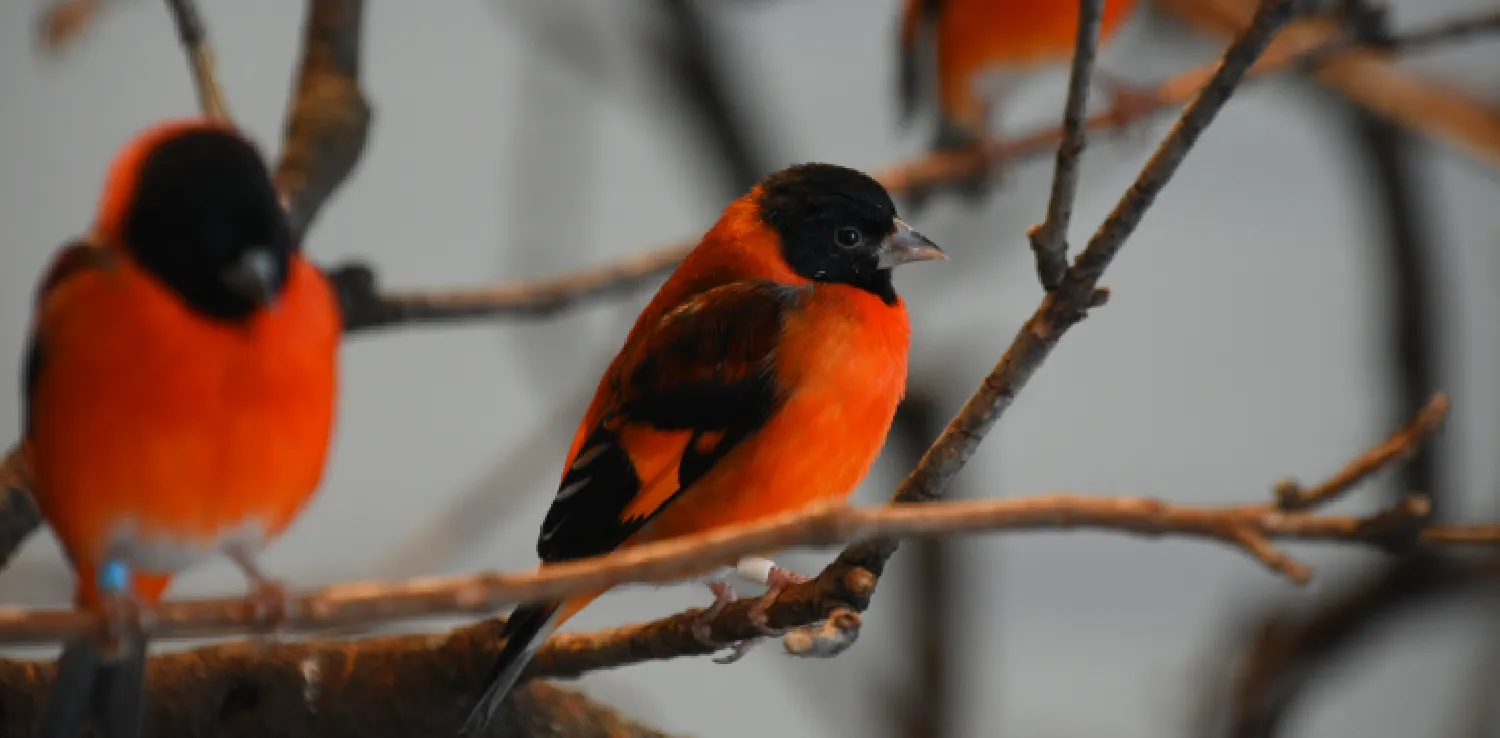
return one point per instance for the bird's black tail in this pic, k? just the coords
(524, 633)
(90, 690)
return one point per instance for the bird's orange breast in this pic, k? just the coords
(163, 434)
(842, 365)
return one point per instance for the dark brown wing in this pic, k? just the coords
(687, 392)
(73, 259)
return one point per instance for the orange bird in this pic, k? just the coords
(179, 392)
(762, 378)
(986, 41)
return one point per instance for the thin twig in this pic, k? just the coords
(328, 119)
(200, 53)
(366, 307)
(1398, 447)
(1049, 238)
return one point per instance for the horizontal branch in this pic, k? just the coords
(1250, 527)
(366, 307)
(375, 688)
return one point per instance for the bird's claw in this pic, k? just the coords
(268, 600)
(737, 651)
(703, 624)
(776, 582)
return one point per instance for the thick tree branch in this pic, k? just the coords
(328, 119)
(406, 686)
(1049, 238)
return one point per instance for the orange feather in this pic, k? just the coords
(973, 37)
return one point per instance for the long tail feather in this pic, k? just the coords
(91, 691)
(525, 631)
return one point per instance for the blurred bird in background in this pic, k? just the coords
(179, 394)
(979, 51)
(761, 378)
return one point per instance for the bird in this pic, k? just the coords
(179, 393)
(980, 49)
(761, 378)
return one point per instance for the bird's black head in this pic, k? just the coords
(839, 225)
(205, 219)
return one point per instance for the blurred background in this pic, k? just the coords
(1255, 332)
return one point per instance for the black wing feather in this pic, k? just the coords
(707, 368)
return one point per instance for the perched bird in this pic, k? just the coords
(981, 48)
(179, 393)
(761, 378)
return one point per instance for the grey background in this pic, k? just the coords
(1245, 340)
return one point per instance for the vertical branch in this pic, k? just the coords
(200, 57)
(328, 119)
(1049, 238)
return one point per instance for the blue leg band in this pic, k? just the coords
(114, 577)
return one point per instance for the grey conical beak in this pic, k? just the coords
(905, 246)
(255, 276)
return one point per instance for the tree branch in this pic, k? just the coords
(200, 54)
(1049, 238)
(328, 119)
(1371, 79)
(407, 686)
(1251, 527)
(1399, 447)
(366, 307)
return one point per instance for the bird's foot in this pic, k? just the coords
(703, 624)
(777, 581)
(268, 598)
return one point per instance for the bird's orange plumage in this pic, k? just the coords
(762, 378)
(153, 422)
(150, 415)
(976, 36)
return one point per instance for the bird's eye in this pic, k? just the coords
(848, 237)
